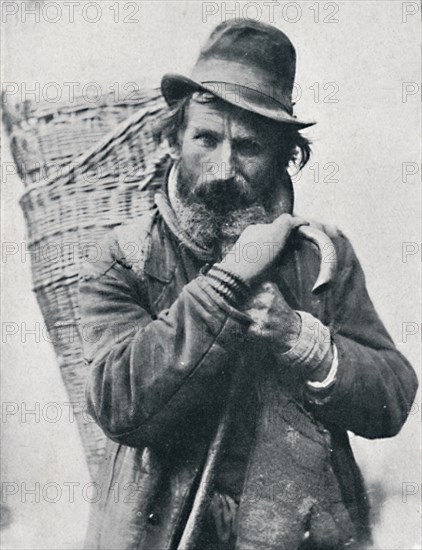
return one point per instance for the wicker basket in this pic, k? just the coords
(106, 186)
(45, 136)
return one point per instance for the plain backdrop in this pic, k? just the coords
(355, 60)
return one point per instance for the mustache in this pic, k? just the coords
(224, 194)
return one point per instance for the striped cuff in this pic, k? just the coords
(231, 288)
(311, 347)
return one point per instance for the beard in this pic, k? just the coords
(214, 213)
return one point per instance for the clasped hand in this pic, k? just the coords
(274, 321)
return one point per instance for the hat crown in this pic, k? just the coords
(255, 44)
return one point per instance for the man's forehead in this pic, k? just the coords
(218, 115)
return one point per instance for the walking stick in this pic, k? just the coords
(203, 495)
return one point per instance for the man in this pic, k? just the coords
(225, 384)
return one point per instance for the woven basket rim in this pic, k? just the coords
(82, 159)
(80, 103)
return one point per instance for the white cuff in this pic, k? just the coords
(331, 376)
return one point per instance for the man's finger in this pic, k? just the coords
(298, 221)
(287, 221)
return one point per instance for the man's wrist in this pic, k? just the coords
(240, 270)
(328, 377)
(311, 345)
(228, 285)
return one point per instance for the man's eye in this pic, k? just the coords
(207, 140)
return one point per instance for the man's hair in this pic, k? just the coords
(293, 146)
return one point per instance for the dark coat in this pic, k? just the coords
(161, 344)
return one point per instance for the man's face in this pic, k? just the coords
(228, 159)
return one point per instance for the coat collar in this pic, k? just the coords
(160, 259)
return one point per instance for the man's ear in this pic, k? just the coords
(175, 145)
(173, 149)
(174, 152)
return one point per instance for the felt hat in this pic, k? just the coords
(247, 63)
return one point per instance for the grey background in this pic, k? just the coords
(369, 133)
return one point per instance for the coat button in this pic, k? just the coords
(154, 519)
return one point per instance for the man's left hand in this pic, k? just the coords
(274, 321)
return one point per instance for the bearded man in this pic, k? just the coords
(225, 385)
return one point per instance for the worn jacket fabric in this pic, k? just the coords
(162, 345)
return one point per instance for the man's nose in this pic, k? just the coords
(225, 160)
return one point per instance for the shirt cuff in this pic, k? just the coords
(331, 376)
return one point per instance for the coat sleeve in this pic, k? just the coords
(375, 384)
(152, 377)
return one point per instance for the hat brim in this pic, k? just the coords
(175, 87)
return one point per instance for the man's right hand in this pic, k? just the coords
(269, 239)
